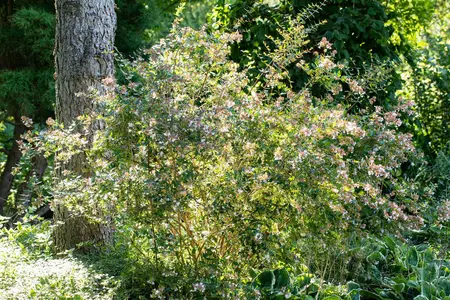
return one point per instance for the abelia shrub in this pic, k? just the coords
(212, 168)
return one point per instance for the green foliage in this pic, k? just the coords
(37, 29)
(6, 133)
(392, 270)
(282, 284)
(407, 272)
(357, 30)
(26, 68)
(134, 21)
(28, 92)
(429, 85)
(209, 174)
(26, 59)
(143, 23)
(26, 77)
(33, 239)
(441, 171)
(409, 18)
(436, 183)
(421, 35)
(245, 180)
(244, 177)
(27, 271)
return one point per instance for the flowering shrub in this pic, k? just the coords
(207, 174)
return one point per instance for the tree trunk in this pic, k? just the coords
(14, 155)
(9, 8)
(84, 57)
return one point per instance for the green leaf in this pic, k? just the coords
(444, 285)
(386, 294)
(332, 297)
(369, 295)
(375, 257)
(304, 280)
(428, 256)
(390, 243)
(253, 273)
(266, 279)
(430, 272)
(412, 257)
(355, 295)
(375, 273)
(313, 288)
(422, 247)
(399, 287)
(420, 297)
(353, 286)
(282, 278)
(428, 289)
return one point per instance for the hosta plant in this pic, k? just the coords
(400, 271)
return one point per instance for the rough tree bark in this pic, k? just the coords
(83, 57)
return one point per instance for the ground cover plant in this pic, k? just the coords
(28, 270)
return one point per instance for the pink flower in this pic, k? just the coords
(355, 87)
(377, 170)
(305, 131)
(325, 44)
(326, 64)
